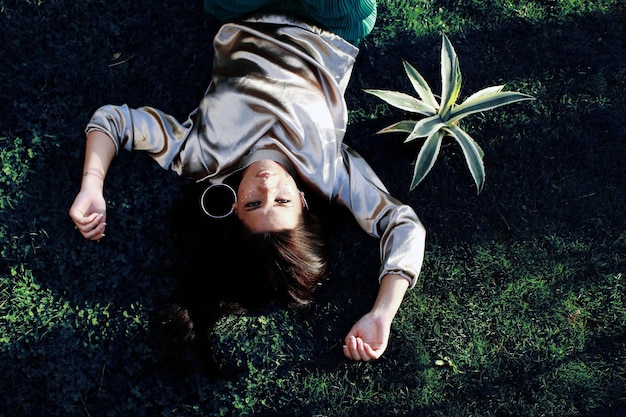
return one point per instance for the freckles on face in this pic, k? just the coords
(268, 198)
(283, 191)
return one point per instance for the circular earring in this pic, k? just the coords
(217, 200)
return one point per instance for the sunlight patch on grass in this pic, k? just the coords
(537, 299)
(426, 17)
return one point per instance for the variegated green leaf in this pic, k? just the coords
(450, 78)
(486, 101)
(421, 86)
(403, 101)
(484, 91)
(405, 126)
(473, 154)
(426, 158)
(427, 126)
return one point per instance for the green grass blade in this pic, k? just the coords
(421, 86)
(403, 101)
(426, 158)
(473, 154)
(450, 78)
(486, 101)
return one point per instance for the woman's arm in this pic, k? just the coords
(401, 235)
(402, 244)
(110, 129)
(89, 208)
(368, 338)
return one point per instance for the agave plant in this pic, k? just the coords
(443, 116)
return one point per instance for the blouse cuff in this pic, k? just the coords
(412, 280)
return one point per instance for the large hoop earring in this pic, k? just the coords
(213, 200)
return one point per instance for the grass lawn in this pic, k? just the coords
(521, 305)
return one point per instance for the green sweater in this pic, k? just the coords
(350, 19)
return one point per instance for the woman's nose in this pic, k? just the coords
(268, 183)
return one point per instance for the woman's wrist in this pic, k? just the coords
(94, 173)
(390, 296)
(92, 179)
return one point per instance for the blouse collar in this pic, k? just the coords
(271, 154)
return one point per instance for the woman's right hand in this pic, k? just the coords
(88, 212)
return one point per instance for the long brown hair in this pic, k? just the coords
(292, 262)
(226, 269)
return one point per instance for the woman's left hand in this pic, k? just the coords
(367, 340)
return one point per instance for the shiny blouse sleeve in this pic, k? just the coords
(152, 131)
(402, 235)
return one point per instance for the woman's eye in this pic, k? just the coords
(282, 201)
(252, 204)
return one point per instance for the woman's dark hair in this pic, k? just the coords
(290, 262)
(226, 269)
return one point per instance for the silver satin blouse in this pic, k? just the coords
(277, 88)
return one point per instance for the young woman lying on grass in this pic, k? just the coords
(271, 125)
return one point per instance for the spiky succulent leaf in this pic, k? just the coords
(450, 78)
(403, 101)
(472, 152)
(426, 157)
(486, 99)
(421, 86)
(405, 126)
(427, 127)
(484, 91)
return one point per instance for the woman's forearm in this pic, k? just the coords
(99, 152)
(390, 295)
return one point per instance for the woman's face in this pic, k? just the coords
(268, 198)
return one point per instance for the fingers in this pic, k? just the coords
(358, 350)
(350, 349)
(91, 227)
(96, 233)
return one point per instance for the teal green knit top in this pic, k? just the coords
(350, 19)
